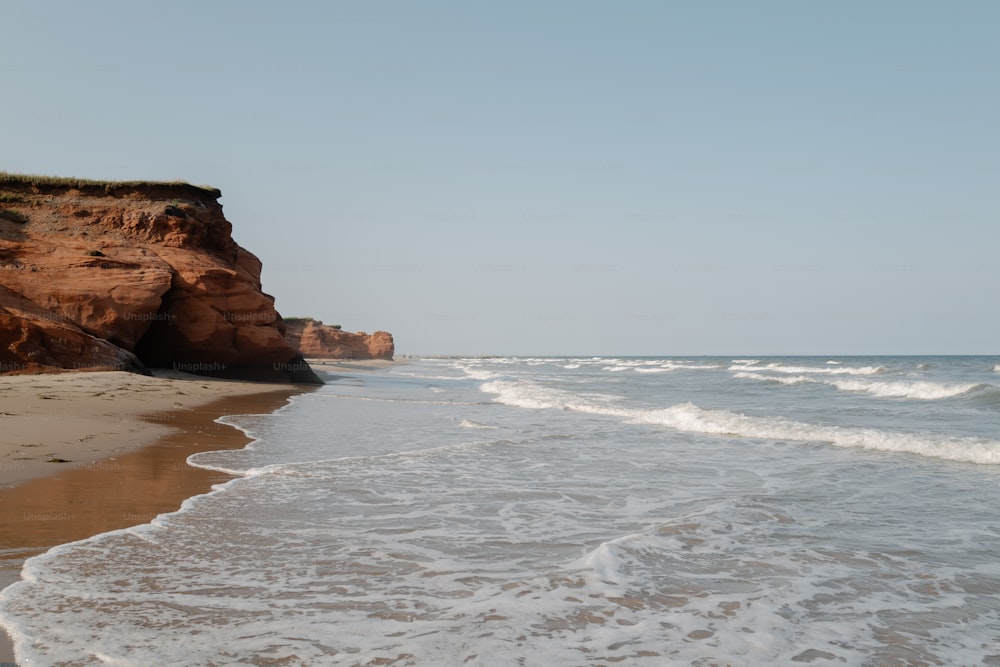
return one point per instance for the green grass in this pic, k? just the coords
(7, 198)
(109, 187)
(307, 320)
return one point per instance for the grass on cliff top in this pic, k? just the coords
(35, 180)
(307, 320)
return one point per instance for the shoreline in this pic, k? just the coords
(122, 440)
(52, 422)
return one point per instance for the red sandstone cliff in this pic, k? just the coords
(316, 340)
(127, 275)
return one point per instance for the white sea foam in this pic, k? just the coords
(777, 379)
(658, 366)
(927, 391)
(533, 396)
(618, 368)
(479, 373)
(553, 542)
(918, 390)
(605, 560)
(468, 423)
(422, 376)
(775, 367)
(690, 418)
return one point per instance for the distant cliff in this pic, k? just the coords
(131, 275)
(316, 340)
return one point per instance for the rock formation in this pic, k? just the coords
(132, 275)
(316, 340)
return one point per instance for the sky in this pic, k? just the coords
(556, 177)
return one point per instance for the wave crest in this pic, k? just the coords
(690, 418)
(775, 367)
(927, 391)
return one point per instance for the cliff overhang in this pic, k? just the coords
(99, 275)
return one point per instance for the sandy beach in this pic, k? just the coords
(85, 453)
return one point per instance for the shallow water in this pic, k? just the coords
(566, 512)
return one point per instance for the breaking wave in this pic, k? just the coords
(927, 391)
(689, 418)
(794, 379)
(919, 390)
(810, 370)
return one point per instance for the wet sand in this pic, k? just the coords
(124, 440)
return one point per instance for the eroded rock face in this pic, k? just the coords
(149, 269)
(34, 340)
(316, 340)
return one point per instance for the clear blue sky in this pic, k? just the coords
(557, 177)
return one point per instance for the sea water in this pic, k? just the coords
(566, 511)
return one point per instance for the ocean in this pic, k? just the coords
(566, 511)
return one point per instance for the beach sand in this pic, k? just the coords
(85, 453)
